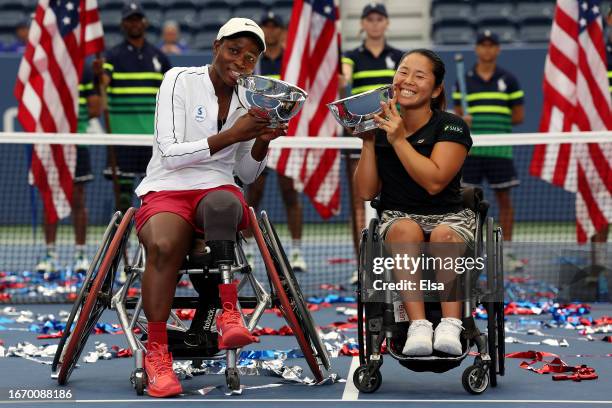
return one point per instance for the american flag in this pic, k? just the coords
(62, 34)
(576, 97)
(311, 61)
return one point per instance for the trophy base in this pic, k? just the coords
(365, 126)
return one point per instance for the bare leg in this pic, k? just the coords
(166, 237)
(442, 234)
(402, 235)
(506, 212)
(79, 214)
(293, 206)
(50, 230)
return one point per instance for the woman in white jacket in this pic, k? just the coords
(203, 136)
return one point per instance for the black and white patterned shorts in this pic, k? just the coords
(462, 222)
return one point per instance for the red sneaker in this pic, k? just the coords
(161, 380)
(232, 332)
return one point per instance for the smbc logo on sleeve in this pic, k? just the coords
(453, 128)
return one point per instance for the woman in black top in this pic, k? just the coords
(414, 163)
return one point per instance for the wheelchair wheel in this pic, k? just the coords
(85, 288)
(97, 299)
(139, 380)
(499, 306)
(232, 379)
(491, 306)
(365, 382)
(366, 257)
(475, 379)
(292, 303)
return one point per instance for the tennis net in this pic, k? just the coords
(543, 243)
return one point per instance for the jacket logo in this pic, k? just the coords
(420, 141)
(199, 113)
(501, 85)
(389, 62)
(453, 128)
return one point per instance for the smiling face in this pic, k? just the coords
(375, 25)
(415, 81)
(234, 57)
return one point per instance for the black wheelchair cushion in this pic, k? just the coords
(472, 197)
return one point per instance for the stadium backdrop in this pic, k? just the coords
(526, 63)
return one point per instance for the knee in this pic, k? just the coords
(405, 232)
(160, 252)
(221, 205)
(443, 233)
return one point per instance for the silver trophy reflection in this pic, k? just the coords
(357, 112)
(270, 98)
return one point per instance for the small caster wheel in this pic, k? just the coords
(475, 379)
(232, 379)
(365, 382)
(139, 380)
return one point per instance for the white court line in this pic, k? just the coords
(351, 393)
(369, 401)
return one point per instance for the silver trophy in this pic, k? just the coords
(270, 98)
(357, 112)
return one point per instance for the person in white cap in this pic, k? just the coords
(203, 136)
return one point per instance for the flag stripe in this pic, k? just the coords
(576, 97)
(61, 35)
(311, 61)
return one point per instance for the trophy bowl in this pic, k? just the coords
(357, 112)
(272, 99)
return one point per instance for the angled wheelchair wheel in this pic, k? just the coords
(86, 287)
(492, 332)
(95, 300)
(292, 303)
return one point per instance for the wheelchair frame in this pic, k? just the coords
(376, 321)
(96, 294)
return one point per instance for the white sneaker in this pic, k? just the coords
(81, 263)
(297, 261)
(446, 336)
(420, 334)
(48, 264)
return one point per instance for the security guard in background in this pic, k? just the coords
(88, 113)
(133, 72)
(367, 67)
(495, 104)
(269, 65)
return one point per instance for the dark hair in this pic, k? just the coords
(439, 71)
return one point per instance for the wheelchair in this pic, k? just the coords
(378, 329)
(194, 343)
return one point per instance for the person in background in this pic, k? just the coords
(133, 72)
(495, 104)
(270, 65)
(367, 67)
(88, 112)
(22, 30)
(171, 43)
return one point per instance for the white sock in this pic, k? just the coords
(296, 245)
(51, 251)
